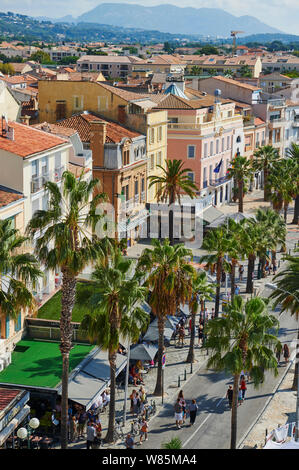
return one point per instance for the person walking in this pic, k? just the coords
(286, 353)
(143, 430)
(237, 290)
(241, 272)
(192, 411)
(181, 335)
(73, 428)
(178, 413)
(183, 404)
(82, 418)
(278, 352)
(200, 334)
(243, 387)
(129, 442)
(229, 395)
(91, 434)
(240, 397)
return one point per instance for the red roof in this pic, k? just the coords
(8, 196)
(258, 121)
(28, 141)
(81, 122)
(6, 396)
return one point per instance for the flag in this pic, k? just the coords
(217, 169)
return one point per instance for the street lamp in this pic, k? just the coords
(274, 287)
(24, 433)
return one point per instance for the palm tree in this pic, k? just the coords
(287, 295)
(66, 244)
(169, 280)
(116, 303)
(263, 159)
(19, 272)
(240, 171)
(216, 242)
(282, 184)
(241, 341)
(202, 290)
(235, 248)
(293, 152)
(170, 186)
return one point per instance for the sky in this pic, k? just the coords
(282, 14)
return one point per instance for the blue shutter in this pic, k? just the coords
(18, 323)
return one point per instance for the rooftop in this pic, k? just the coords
(81, 123)
(8, 196)
(28, 141)
(230, 81)
(7, 395)
(39, 363)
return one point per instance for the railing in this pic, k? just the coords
(37, 183)
(58, 173)
(127, 205)
(142, 195)
(136, 198)
(218, 181)
(202, 126)
(276, 102)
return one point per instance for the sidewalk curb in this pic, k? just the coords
(265, 406)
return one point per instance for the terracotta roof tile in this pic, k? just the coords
(81, 122)
(6, 396)
(28, 141)
(7, 196)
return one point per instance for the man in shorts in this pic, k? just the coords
(229, 395)
(143, 430)
(178, 413)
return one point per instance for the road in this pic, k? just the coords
(212, 427)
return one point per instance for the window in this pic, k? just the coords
(212, 148)
(44, 166)
(160, 133)
(152, 161)
(287, 134)
(222, 145)
(136, 188)
(227, 142)
(205, 150)
(152, 136)
(159, 158)
(34, 168)
(78, 102)
(18, 323)
(217, 146)
(60, 110)
(191, 151)
(190, 175)
(35, 206)
(126, 157)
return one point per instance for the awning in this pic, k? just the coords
(93, 378)
(143, 352)
(170, 322)
(152, 334)
(210, 214)
(14, 423)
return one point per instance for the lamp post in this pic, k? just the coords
(274, 287)
(126, 383)
(26, 432)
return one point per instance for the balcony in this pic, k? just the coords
(58, 173)
(218, 181)
(295, 123)
(37, 183)
(142, 196)
(136, 198)
(127, 205)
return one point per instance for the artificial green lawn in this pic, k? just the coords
(51, 309)
(40, 365)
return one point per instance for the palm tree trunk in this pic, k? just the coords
(66, 331)
(250, 271)
(161, 323)
(295, 380)
(233, 442)
(233, 279)
(296, 211)
(285, 212)
(218, 277)
(266, 190)
(112, 361)
(170, 219)
(263, 263)
(240, 195)
(190, 357)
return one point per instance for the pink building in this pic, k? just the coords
(203, 131)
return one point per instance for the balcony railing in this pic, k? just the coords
(37, 183)
(218, 181)
(136, 198)
(58, 173)
(142, 196)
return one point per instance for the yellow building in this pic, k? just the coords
(61, 99)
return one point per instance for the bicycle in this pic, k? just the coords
(136, 426)
(150, 410)
(118, 432)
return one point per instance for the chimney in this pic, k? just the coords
(25, 120)
(97, 142)
(122, 115)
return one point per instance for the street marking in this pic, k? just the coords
(188, 440)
